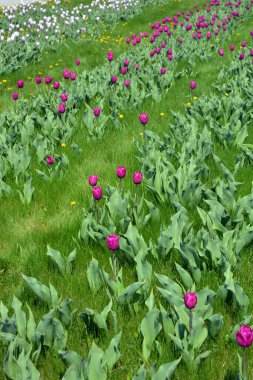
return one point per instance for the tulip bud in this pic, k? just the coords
(143, 117)
(112, 242)
(121, 171)
(15, 96)
(137, 178)
(61, 108)
(78, 62)
(93, 179)
(20, 83)
(221, 52)
(163, 70)
(56, 85)
(190, 300)
(244, 336)
(193, 85)
(96, 112)
(48, 80)
(114, 79)
(38, 80)
(127, 83)
(97, 193)
(64, 97)
(50, 160)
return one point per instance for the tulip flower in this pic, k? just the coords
(143, 117)
(244, 338)
(66, 74)
(126, 62)
(137, 178)
(64, 97)
(127, 83)
(190, 301)
(97, 193)
(50, 160)
(112, 242)
(38, 80)
(48, 80)
(232, 47)
(61, 108)
(241, 56)
(15, 96)
(110, 56)
(193, 85)
(221, 52)
(123, 70)
(114, 79)
(56, 85)
(163, 70)
(93, 179)
(20, 83)
(96, 112)
(244, 44)
(137, 66)
(78, 62)
(121, 171)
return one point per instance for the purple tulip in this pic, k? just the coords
(114, 79)
(137, 178)
(97, 193)
(48, 80)
(193, 85)
(244, 44)
(78, 62)
(244, 336)
(121, 171)
(20, 83)
(50, 160)
(72, 75)
(221, 52)
(251, 53)
(38, 80)
(110, 56)
(158, 50)
(15, 96)
(64, 97)
(128, 40)
(232, 47)
(93, 179)
(66, 74)
(127, 83)
(163, 70)
(190, 300)
(241, 56)
(137, 66)
(143, 117)
(61, 108)
(96, 112)
(126, 62)
(112, 242)
(123, 70)
(152, 53)
(180, 41)
(56, 85)
(170, 57)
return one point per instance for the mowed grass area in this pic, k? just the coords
(50, 219)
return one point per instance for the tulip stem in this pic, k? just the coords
(136, 195)
(114, 272)
(244, 375)
(190, 325)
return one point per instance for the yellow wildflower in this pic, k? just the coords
(188, 104)
(4, 81)
(161, 114)
(63, 145)
(121, 116)
(73, 203)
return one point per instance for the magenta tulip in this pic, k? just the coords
(143, 117)
(15, 96)
(112, 242)
(221, 52)
(64, 97)
(137, 178)
(137, 66)
(66, 74)
(121, 171)
(78, 62)
(244, 44)
(123, 70)
(110, 56)
(241, 56)
(232, 47)
(114, 79)
(50, 160)
(97, 193)
(126, 62)
(190, 300)
(96, 112)
(93, 179)
(193, 85)
(38, 80)
(61, 108)
(244, 336)
(48, 80)
(56, 85)
(127, 83)
(20, 83)
(163, 70)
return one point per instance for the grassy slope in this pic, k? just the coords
(51, 220)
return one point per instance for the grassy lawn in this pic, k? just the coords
(51, 219)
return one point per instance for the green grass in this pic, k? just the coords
(50, 219)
